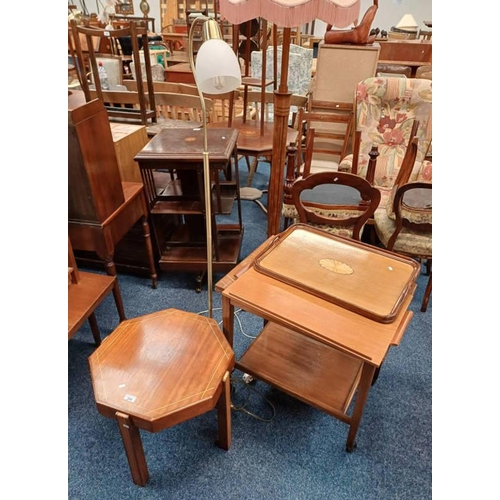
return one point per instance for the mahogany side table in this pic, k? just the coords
(159, 370)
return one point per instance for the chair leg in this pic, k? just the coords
(428, 267)
(427, 294)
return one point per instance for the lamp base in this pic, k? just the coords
(253, 194)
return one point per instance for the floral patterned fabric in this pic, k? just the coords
(412, 214)
(385, 110)
(411, 241)
(299, 67)
(289, 211)
(408, 241)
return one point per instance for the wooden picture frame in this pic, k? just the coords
(125, 8)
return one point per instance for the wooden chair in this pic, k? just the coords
(335, 202)
(135, 31)
(86, 291)
(256, 133)
(322, 141)
(225, 106)
(408, 230)
(404, 225)
(326, 136)
(179, 110)
(172, 109)
(175, 36)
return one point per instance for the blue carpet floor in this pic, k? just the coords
(282, 449)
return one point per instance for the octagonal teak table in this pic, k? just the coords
(158, 370)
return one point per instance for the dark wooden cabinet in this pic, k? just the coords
(101, 208)
(171, 166)
(94, 184)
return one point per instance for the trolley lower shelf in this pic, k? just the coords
(304, 368)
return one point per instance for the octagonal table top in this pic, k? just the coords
(161, 368)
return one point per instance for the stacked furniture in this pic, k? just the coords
(101, 208)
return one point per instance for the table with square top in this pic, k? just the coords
(171, 166)
(330, 317)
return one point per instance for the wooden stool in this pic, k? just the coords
(158, 370)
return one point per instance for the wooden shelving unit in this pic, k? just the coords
(172, 170)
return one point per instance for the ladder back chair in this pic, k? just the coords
(322, 141)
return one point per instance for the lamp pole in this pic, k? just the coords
(221, 75)
(206, 169)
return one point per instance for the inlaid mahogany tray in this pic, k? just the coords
(365, 279)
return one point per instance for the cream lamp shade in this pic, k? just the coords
(217, 68)
(407, 22)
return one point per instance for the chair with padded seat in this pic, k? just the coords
(386, 109)
(336, 202)
(407, 227)
(404, 225)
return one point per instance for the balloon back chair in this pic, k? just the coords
(405, 224)
(336, 202)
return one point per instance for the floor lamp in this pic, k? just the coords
(286, 14)
(216, 71)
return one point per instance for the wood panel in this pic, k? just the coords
(128, 139)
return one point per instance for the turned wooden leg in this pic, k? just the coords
(224, 413)
(95, 329)
(149, 248)
(367, 374)
(133, 448)
(109, 264)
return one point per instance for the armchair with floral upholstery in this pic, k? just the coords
(385, 110)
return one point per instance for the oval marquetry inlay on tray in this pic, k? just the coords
(336, 266)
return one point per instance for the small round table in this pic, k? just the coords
(158, 370)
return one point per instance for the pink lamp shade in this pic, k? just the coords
(290, 13)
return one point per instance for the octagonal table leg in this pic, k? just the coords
(133, 448)
(224, 413)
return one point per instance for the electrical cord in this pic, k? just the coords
(243, 407)
(237, 319)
